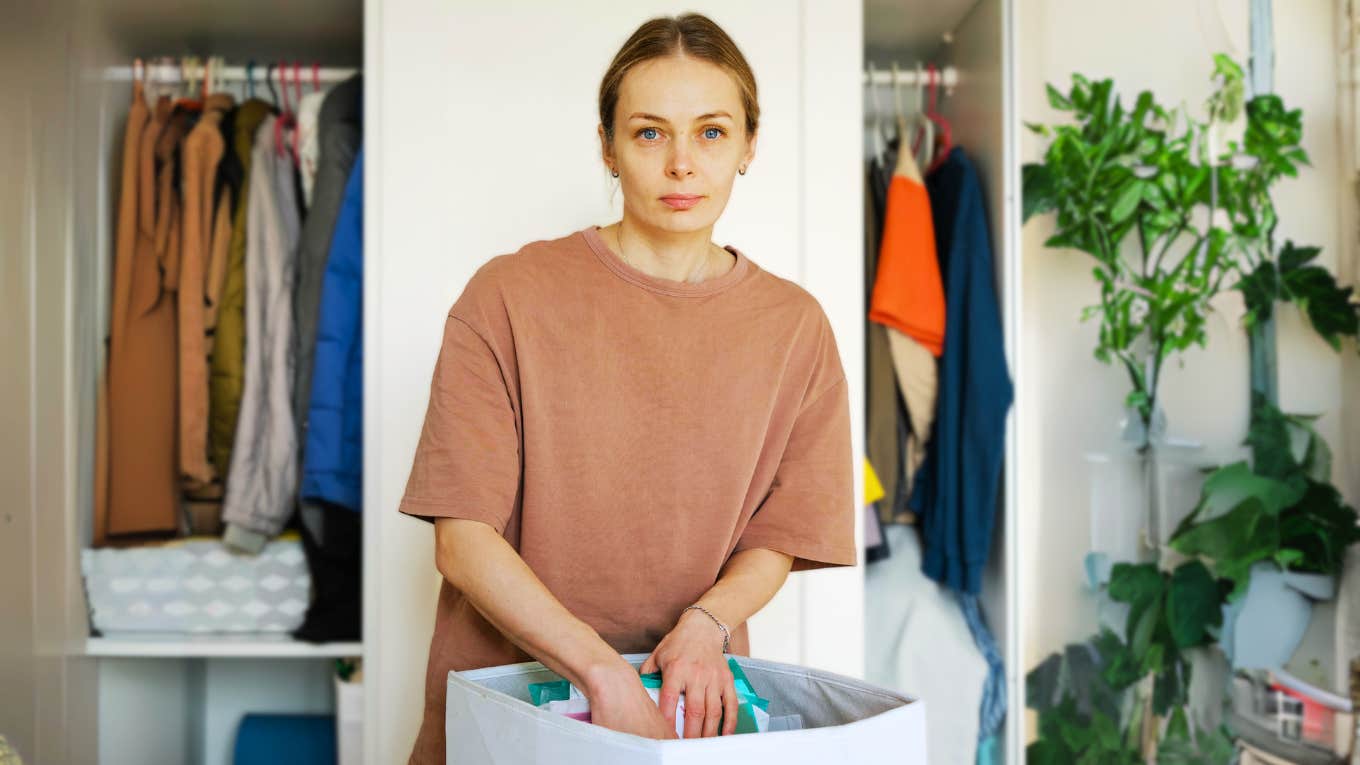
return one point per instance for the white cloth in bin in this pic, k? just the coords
(490, 721)
(197, 585)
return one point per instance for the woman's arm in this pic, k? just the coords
(690, 657)
(501, 586)
(748, 581)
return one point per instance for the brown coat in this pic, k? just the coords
(139, 466)
(202, 151)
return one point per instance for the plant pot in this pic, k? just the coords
(1263, 629)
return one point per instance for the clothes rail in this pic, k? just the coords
(168, 73)
(948, 77)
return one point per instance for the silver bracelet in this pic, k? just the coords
(727, 636)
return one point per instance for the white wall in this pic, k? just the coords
(1071, 403)
(481, 137)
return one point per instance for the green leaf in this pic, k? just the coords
(1269, 438)
(1057, 100)
(1193, 604)
(1233, 542)
(1292, 257)
(1038, 128)
(1327, 304)
(1229, 487)
(1043, 684)
(1135, 583)
(1142, 627)
(1170, 688)
(1318, 528)
(1317, 458)
(1287, 559)
(1039, 191)
(1126, 201)
(1260, 289)
(1177, 727)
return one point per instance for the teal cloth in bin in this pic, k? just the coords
(263, 739)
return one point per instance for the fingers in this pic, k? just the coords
(648, 666)
(713, 710)
(696, 704)
(729, 707)
(671, 685)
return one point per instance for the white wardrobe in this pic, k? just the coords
(73, 698)
(480, 136)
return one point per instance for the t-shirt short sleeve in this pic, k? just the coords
(467, 462)
(809, 512)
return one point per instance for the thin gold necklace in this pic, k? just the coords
(618, 237)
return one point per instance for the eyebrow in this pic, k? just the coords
(655, 118)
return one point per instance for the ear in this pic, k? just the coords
(606, 151)
(750, 151)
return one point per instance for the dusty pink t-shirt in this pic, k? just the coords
(627, 434)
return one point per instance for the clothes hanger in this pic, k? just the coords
(946, 140)
(906, 160)
(924, 145)
(900, 117)
(316, 77)
(220, 74)
(188, 68)
(880, 141)
(269, 80)
(287, 120)
(139, 82)
(250, 79)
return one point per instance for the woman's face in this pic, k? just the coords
(679, 137)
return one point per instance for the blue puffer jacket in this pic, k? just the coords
(332, 467)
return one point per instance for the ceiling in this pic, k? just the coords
(908, 30)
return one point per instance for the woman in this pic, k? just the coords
(633, 434)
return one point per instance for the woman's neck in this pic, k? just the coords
(689, 256)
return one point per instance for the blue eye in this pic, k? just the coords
(719, 131)
(646, 130)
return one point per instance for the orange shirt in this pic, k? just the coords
(627, 434)
(908, 293)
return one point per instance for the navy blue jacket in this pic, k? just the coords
(955, 492)
(332, 467)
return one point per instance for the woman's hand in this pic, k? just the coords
(691, 662)
(619, 702)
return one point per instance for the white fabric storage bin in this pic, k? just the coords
(197, 585)
(489, 721)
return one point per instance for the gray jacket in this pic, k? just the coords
(262, 482)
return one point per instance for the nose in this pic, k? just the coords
(679, 165)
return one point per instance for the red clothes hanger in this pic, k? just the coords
(287, 120)
(945, 140)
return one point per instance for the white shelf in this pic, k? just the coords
(249, 646)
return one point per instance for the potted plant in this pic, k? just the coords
(1277, 530)
(1172, 214)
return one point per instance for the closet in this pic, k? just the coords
(172, 697)
(914, 625)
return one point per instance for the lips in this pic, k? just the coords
(682, 201)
